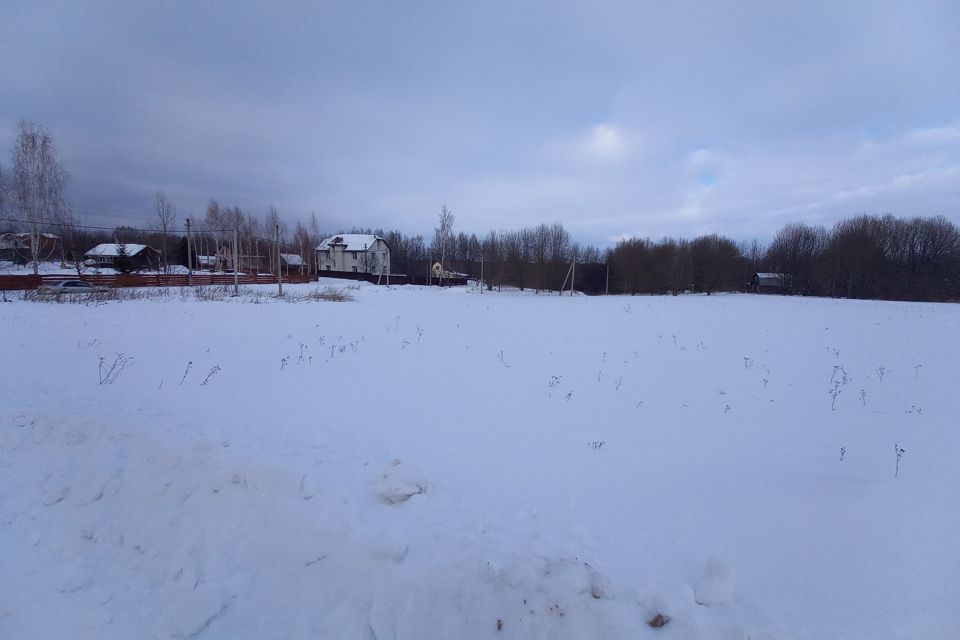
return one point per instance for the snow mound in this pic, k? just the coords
(400, 482)
(716, 587)
(505, 597)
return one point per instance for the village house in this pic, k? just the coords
(123, 257)
(223, 261)
(18, 247)
(246, 263)
(355, 253)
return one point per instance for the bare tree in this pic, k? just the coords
(71, 239)
(39, 182)
(314, 243)
(166, 223)
(4, 188)
(796, 250)
(251, 230)
(271, 225)
(301, 242)
(541, 241)
(442, 235)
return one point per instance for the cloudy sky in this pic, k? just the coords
(615, 118)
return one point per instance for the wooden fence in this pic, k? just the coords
(20, 283)
(26, 282)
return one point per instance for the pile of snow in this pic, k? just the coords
(399, 483)
(716, 587)
(55, 268)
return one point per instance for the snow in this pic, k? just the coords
(55, 268)
(111, 249)
(716, 587)
(399, 483)
(523, 467)
(351, 241)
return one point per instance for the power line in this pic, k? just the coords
(125, 228)
(118, 227)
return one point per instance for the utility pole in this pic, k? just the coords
(236, 262)
(481, 273)
(563, 286)
(573, 276)
(189, 256)
(279, 276)
(606, 288)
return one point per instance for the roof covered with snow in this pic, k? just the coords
(771, 279)
(113, 250)
(25, 235)
(350, 241)
(292, 259)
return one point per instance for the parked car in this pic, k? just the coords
(70, 286)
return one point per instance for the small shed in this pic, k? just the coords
(206, 263)
(292, 261)
(770, 283)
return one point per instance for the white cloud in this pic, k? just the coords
(605, 142)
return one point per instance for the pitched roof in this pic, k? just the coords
(772, 279)
(292, 259)
(113, 250)
(25, 236)
(350, 241)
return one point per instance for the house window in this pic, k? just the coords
(354, 269)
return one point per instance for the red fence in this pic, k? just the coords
(25, 282)
(19, 283)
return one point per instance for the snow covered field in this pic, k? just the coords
(424, 463)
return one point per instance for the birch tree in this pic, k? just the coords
(165, 224)
(443, 231)
(39, 182)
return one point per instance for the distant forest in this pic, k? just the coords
(861, 257)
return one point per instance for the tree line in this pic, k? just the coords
(860, 257)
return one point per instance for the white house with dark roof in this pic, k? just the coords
(354, 252)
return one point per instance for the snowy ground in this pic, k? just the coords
(46, 268)
(425, 463)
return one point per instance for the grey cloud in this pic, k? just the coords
(614, 117)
